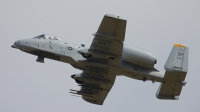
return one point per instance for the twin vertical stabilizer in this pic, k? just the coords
(176, 69)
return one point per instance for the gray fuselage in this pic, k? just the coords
(135, 63)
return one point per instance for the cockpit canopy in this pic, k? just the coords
(44, 36)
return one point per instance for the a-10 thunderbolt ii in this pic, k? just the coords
(108, 57)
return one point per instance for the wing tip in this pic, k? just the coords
(113, 16)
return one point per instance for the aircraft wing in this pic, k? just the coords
(103, 55)
(95, 87)
(108, 40)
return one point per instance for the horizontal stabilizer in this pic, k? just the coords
(171, 92)
(176, 70)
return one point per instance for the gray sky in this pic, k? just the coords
(153, 25)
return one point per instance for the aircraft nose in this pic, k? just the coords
(17, 43)
(24, 44)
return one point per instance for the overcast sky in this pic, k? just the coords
(153, 25)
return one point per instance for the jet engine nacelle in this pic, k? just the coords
(138, 57)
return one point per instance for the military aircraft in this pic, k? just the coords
(109, 57)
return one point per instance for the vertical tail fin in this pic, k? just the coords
(176, 69)
(178, 59)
